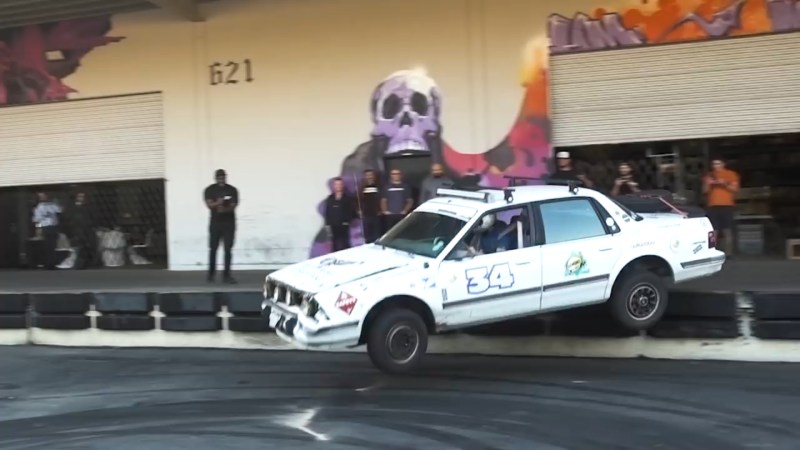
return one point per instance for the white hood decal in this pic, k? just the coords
(336, 269)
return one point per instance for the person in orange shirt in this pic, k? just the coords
(720, 187)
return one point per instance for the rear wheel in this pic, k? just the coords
(397, 340)
(639, 300)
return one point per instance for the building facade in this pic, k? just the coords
(286, 95)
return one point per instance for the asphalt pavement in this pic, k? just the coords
(69, 398)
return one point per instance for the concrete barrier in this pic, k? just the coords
(720, 326)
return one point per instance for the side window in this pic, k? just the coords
(496, 231)
(570, 220)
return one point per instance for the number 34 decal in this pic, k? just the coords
(481, 279)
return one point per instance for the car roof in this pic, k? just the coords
(521, 194)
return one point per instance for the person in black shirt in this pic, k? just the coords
(371, 207)
(397, 201)
(340, 210)
(566, 172)
(625, 184)
(81, 227)
(222, 200)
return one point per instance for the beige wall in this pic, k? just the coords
(315, 64)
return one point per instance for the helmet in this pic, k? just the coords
(486, 222)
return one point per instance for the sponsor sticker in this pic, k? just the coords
(346, 302)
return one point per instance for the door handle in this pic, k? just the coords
(606, 249)
(523, 263)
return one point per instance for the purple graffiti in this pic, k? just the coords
(584, 33)
(785, 14)
(720, 25)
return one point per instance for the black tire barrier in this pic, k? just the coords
(60, 303)
(191, 323)
(776, 306)
(710, 305)
(249, 324)
(187, 304)
(589, 327)
(123, 303)
(13, 303)
(13, 321)
(61, 321)
(529, 326)
(243, 303)
(696, 329)
(776, 329)
(123, 322)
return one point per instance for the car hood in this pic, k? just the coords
(336, 269)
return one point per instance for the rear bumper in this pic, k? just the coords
(305, 333)
(700, 268)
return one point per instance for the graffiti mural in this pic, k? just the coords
(405, 111)
(35, 59)
(670, 21)
(407, 106)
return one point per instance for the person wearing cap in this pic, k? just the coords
(222, 200)
(566, 172)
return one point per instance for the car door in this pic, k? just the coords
(499, 283)
(580, 249)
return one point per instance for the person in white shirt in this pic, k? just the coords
(45, 217)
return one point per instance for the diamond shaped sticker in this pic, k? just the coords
(346, 303)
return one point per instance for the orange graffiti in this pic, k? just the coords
(657, 22)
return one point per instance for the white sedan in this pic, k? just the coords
(470, 257)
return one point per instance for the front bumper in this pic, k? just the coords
(302, 331)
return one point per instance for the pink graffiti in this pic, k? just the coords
(35, 59)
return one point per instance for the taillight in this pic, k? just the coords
(712, 239)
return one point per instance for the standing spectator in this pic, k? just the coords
(720, 187)
(371, 207)
(566, 172)
(222, 200)
(625, 183)
(433, 182)
(397, 200)
(45, 217)
(340, 209)
(81, 229)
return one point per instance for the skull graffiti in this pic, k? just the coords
(405, 110)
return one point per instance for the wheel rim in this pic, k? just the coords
(402, 342)
(643, 301)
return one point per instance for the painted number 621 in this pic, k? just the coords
(481, 279)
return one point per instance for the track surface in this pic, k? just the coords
(211, 399)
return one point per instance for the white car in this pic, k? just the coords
(470, 257)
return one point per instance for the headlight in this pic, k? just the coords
(309, 307)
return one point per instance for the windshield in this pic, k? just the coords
(422, 233)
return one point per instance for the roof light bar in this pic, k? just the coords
(469, 195)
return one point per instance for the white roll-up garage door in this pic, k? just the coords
(103, 139)
(729, 87)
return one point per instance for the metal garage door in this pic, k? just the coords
(739, 86)
(103, 139)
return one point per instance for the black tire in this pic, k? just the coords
(393, 328)
(639, 300)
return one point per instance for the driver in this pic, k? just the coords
(480, 240)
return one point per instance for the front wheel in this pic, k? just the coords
(639, 300)
(397, 340)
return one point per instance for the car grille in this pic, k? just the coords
(284, 294)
